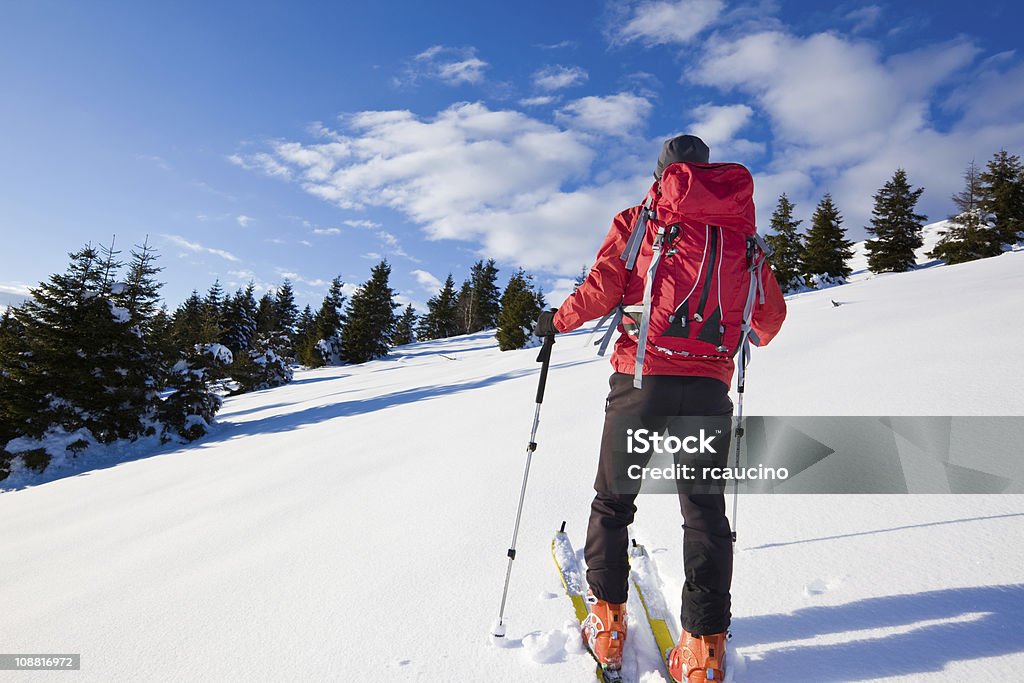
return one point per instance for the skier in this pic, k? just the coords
(671, 384)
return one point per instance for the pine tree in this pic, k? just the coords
(404, 328)
(285, 309)
(188, 411)
(787, 246)
(1002, 195)
(189, 325)
(521, 303)
(329, 320)
(140, 295)
(240, 320)
(266, 315)
(370, 317)
(440, 320)
(580, 278)
(486, 296)
(12, 363)
(465, 303)
(138, 356)
(213, 305)
(895, 226)
(971, 235)
(87, 365)
(826, 249)
(306, 337)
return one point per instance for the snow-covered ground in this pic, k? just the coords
(353, 524)
(930, 235)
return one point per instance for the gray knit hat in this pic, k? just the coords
(682, 148)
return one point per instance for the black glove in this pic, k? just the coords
(545, 326)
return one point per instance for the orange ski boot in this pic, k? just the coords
(604, 632)
(698, 659)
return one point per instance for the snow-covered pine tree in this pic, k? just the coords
(521, 303)
(240, 320)
(440, 320)
(138, 355)
(826, 249)
(328, 324)
(1002, 195)
(188, 411)
(895, 226)
(405, 327)
(370, 317)
(972, 235)
(88, 366)
(483, 276)
(12, 362)
(787, 246)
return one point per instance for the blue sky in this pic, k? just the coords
(304, 140)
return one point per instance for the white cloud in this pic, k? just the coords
(427, 281)
(297, 277)
(372, 255)
(261, 162)
(13, 294)
(617, 114)
(361, 223)
(863, 18)
(326, 231)
(557, 77)
(559, 45)
(196, 247)
(718, 127)
(560, 289)
(508, 183)
(450, 65)
(844, 116)
(243, 220)
(537, 101)
(666, 22)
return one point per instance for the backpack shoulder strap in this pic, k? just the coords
(636, 235)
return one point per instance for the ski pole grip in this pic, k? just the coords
(544, 358)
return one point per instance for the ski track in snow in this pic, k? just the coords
(353, 524)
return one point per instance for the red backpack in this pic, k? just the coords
(697, 258)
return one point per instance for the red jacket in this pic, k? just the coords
(609, 284)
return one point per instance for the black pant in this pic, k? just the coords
(707, 540)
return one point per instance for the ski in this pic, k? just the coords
(644, 576)
(575, 586)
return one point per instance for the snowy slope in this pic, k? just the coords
(353, 525)
(931, 234)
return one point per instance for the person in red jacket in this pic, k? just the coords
(672, 384)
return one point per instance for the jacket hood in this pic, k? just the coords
(711, 194)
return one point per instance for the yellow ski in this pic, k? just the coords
(644, 575)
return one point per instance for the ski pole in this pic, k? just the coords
(741, 378)
(544, 358)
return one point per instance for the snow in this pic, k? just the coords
(120, 315)
(219, 353)
(930, 234)
(352, 525)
